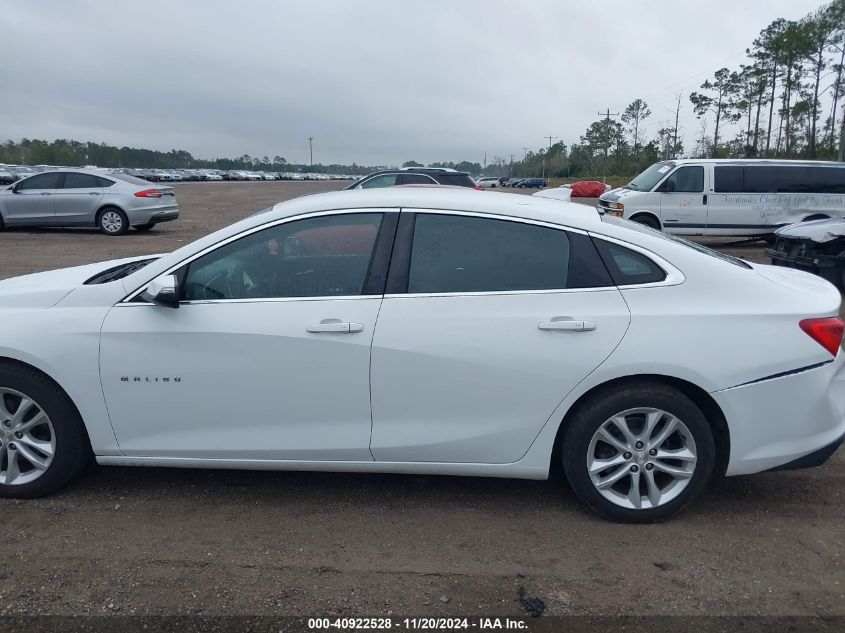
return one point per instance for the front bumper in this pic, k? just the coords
(803, 254)
(786, 419)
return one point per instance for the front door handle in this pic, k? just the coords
(93, 193)
(570, 325)
(46, 193)
(335, 326)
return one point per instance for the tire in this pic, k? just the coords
(144, 227)
(63, 431)
(647, 220)
(638, 402)
(112, 221)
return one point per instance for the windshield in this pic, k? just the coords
(641, 228)
(650, 177)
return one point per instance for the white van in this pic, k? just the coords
(729, 196)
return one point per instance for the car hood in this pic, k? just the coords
(44, 290)
(816, 230)
(620, 193)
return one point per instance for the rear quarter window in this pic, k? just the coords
(628, 267)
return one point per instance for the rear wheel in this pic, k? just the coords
(112, 221)
(144, 227)
(43, 443)
(647, 220)
(638, 454)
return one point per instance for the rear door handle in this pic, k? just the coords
(46, 193)
(335, 326)
(570, 325)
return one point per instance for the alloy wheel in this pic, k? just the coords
(27, 439)
(641, 458)
(112, 222)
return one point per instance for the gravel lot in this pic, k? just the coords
(165, 542)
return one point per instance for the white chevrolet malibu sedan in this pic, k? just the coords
(426, 330)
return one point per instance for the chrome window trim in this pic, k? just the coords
(247, 232)
(673, 275)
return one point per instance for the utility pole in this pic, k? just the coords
(549, 155)
(511, 155)
(311, 148)
(485, 161)
(675, 129)
(607, 116)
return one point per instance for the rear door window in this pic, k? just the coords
(415, 179)
(456, 180)
(461, 254)
(75, 180)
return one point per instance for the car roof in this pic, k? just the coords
(441, 198)
(754, 161)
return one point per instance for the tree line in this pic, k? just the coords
(786, 100)
(77, 153)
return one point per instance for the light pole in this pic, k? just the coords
(311, 148)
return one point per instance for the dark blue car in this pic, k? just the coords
(531, 183)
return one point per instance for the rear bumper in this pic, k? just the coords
(153, 214)
(789, 419)
(816, 458)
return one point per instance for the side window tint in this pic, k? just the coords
(728, 179)
(388, 180)
(315, 257)
(49, 180)
(105, 182)
(415, 179)
(686, 180)
(628, 267)
(453, 253)
(81, 181)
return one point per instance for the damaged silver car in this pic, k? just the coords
(817, 246)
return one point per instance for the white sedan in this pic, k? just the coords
(437, 331)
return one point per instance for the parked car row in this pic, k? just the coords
(13, 173)
(195, 175)
(524, 183)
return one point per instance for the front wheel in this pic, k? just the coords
(112, 221)
(43, 443)
(638, 454)
(647, 220)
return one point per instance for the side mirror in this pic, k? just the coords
(163, 291)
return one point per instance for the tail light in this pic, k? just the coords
(827, 332)
(149, 193)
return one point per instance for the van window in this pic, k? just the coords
(728, 179)
(685, 180)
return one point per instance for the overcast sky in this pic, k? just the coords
(373, 81)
